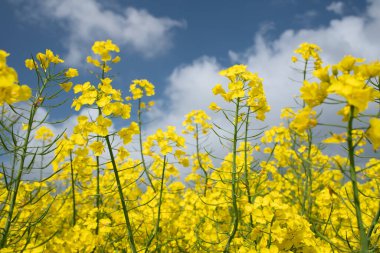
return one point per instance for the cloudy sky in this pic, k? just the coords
(181, 45)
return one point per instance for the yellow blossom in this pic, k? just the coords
(373, 132)
(304, 119)
(44, 133)
(335, 139)
(138, 87)
(218, 89)
(10, 90)
(126, 134)
(347, 64)
(47, 58)
(309, 50)
(214, 107)
(197, 118)
(30, 64)
(116, 59)
(66, 86)
(313, 93)
(70, 73)
(97, 147)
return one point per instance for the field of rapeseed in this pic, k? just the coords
(277, 189)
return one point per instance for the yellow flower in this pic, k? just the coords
(354, 90)
(214, 107)
(322, 74)
(313, 93)
(47, 58)
(93, 61)
(25, 126)
(347, 64)
(122, 153)
(243, 85)
(3, 58)
(138, 87)
(304, 119)
(88, 97)
(10, 91)
(116, 59)
(30, 64)
(345, 112)
(369, 70)
(197, 118)
(373, 132)
(218, 89)
(102, 125)
(66, 86)
(97, 147)
(70, 73)
(44, 133)
(176, 186)
(78, 139)
(272, 249)
(103, 48)
(166, 141)
(232, 72)
(335, 139)
(23, 92)
(127, 133)
(287, 113)
(309, 50)
(103, 101)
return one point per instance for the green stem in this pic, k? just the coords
(141, 146)
(73, 189)
(309, 180)
(157, 227)
(307, 166)
(8, 223)
(373, 224)
(246, 171)
(97, 194)
(235, 220)
(98, 179)
(305, 70)
(309, 172)
(121, 196)
(353, 178)
(200, 160)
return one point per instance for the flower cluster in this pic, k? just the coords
(196, 121)
(273, 191)
(243, 85)
(138, 87)
(108, 99)
(309, 51)
(44, 133)
(45, 59)
(165, 141)
(104, 49)
(10, 90)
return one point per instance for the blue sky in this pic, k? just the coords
(181, 45)
(200, 28)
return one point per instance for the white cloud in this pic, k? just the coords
(189, 89)
(336, 7)
(88, 20)
(190, 85)
(349, 35)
